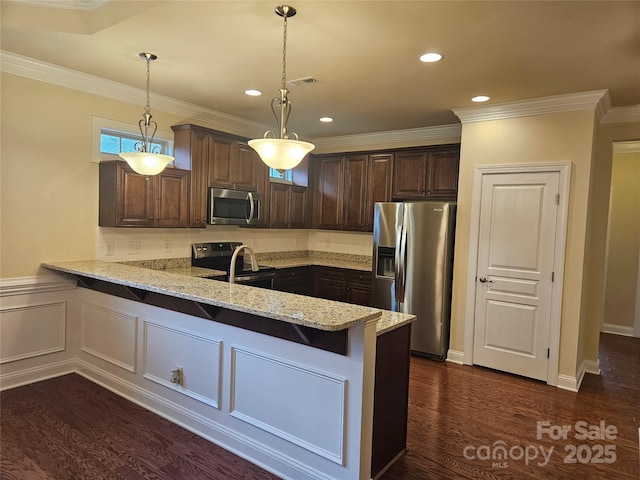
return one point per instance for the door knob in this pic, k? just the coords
(484, 279)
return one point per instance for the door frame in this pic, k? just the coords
(564, 171)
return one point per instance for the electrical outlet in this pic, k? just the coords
(133, 248)
(166, 248)
(111, 248)
(176, 376)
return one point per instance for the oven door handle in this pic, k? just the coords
(251, 207)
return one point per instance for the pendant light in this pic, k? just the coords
(147, 160)
(282, 152)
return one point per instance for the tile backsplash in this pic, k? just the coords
(123, 244)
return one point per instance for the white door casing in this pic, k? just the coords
(517, 240)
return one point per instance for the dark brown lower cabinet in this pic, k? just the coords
(339, 284)
(390, 398)
(331, 284)
(294, 280)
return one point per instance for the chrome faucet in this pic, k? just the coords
(252, 256)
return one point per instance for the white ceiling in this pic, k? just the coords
(364, 54)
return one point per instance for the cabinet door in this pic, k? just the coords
(294, 280)
(171, 198)
(410, 175)
(329, 190)
(279, 202)
(134, 202)
(358, 288)
(330, 284)
(246, 162)
(379, 189)
(355, 192)
(198, 181)
(298, 207)
(221, 163)
(443, 174)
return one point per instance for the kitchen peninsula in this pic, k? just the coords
(304, 387)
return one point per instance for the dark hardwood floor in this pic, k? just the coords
(70, 428)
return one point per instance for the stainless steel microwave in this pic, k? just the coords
(233, 207)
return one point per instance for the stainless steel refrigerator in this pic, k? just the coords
(412, 265)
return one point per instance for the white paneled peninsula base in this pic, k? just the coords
(303, 387)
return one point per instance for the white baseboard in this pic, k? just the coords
(566, 382)
(455, 356)
(573, 384)
(36, 374)
(617, 329)
(592, 366)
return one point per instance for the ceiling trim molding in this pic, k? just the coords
(622, 114)
(626, 147)
(391, 139)
(597, 100)
(65, 77)
(87, 5)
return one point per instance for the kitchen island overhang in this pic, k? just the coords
(292, 405)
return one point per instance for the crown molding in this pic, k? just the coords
(622, 114)
(86, 5)
(626, 147)
(597, 100)
(65, 77)
(391, 139)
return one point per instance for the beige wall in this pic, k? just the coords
(624, 240)
(559, 137)
(607, 134)
(49, 188)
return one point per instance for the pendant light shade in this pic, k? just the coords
(147, 163)
(147, 160)
(281, 151)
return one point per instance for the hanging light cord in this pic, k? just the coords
(146, 123)
(147, 108)
(282, 102)
(284, 49)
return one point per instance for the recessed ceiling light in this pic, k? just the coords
(480, 98)
(253, 93)
(430, 57)
(326, 119)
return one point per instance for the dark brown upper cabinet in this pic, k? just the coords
(427, 173)
(128, 199)
(217, 159)
(347, 188)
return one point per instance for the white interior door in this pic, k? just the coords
(516, 242)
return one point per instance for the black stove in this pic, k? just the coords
(217, 256)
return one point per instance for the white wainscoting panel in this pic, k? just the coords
(166, 348)
(109, 334)
(32, 330)
(293, 402)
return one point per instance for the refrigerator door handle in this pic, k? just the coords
(401, 272)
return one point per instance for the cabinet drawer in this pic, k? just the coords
(334, 275)
(293, 280)
(359, 278)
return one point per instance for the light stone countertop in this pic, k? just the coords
(297, 309)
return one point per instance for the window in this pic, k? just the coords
(284, 177)
(110, 138)
(112, 142)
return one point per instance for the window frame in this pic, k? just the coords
(286, 179)
(101, 125)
